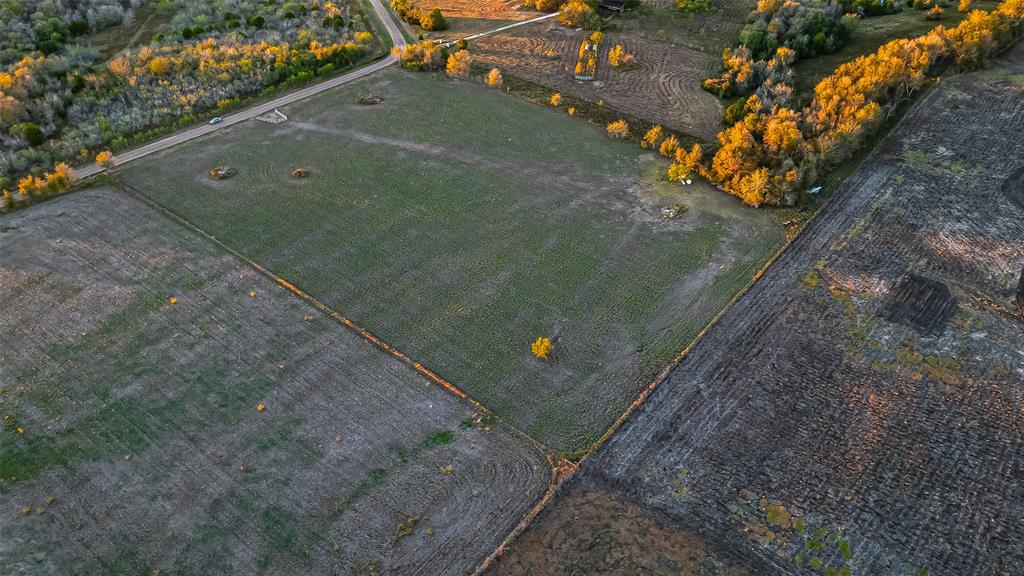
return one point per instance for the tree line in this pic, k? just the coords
(772, 150)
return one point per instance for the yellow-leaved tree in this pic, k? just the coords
(493, 78)
(651, 137)
(541, 347)
(618, 129)
(105, 159)
(458, 64)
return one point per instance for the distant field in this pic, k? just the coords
(480, 9)
(138, 417)
(709, 32)
(148, 22)
(662, 86)
(466, 17)
(459, 224)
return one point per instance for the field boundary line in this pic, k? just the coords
(570, 470)
(559, 475)
(553, 459)
(664, 372)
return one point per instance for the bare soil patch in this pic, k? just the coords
(663, 86)
(610, 537)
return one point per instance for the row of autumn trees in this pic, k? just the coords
(70, 104)
(766, 156)
(428, 56)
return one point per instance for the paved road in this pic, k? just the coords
(383, 15)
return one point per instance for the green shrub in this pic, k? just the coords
(735, 112)
(693, 6)
(433, 20)
(33, 134)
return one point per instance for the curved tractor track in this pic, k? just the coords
(662, 85)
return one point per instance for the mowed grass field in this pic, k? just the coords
(458, 224)
(131, 440)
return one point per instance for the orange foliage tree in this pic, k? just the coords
(764, 157)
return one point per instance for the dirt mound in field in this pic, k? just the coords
(222, 172)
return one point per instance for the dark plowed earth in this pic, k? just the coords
(1020, 294)
(1014, 188)
(806, 434)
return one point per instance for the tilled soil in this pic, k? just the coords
(661, 86)
(808, 434)
(484, 9)
(132, 436)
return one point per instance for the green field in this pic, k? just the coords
(458, 224)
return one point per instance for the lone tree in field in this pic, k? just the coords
(547, 5)
(691, 7)
(556, 99)
(685, 163)
(541, 347)
(618, 129)
(424, 55)
(494, 78)
(458, 64)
